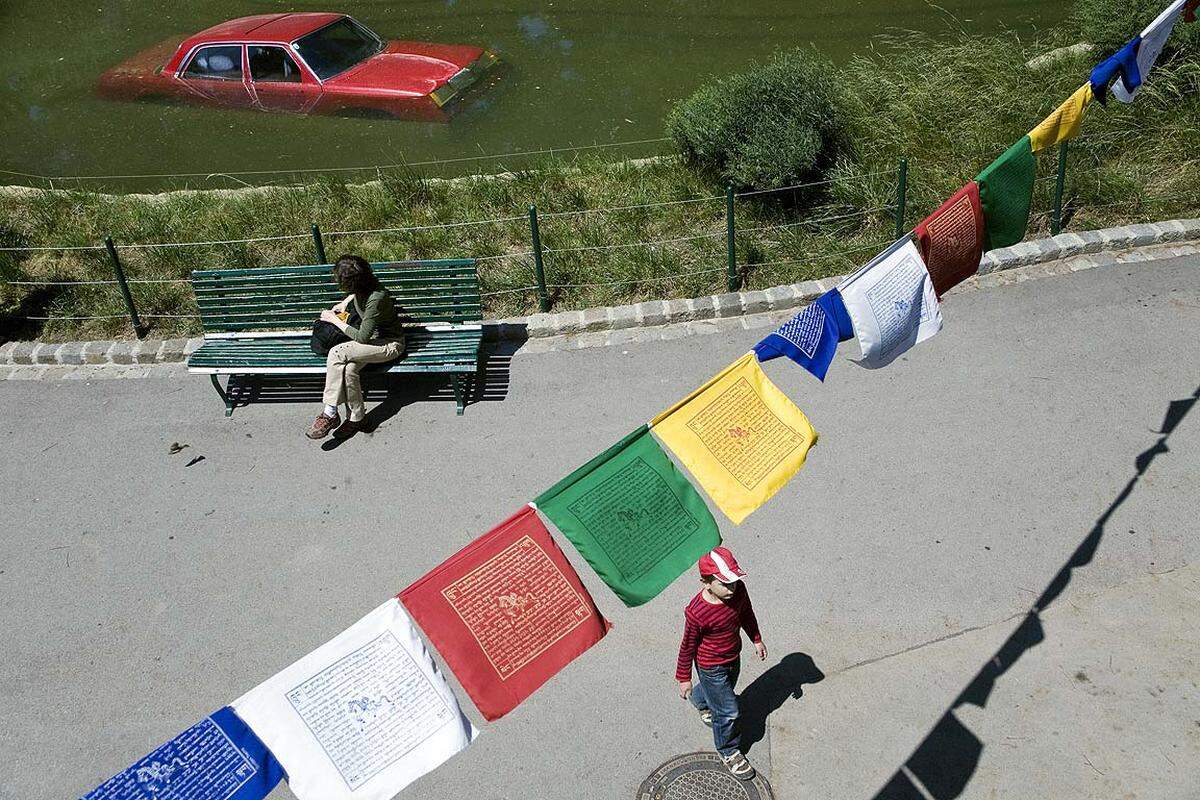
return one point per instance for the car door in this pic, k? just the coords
(277, 81)
(215, 75)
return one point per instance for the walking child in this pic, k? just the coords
(712, 639)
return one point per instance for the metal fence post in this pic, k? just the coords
(138, 329)
(733, 280)
(539, 269)
(1056, 220)
(901, 196)
(320, 243)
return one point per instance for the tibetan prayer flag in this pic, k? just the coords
(892, 303)
(1154, 38)
(635, 518)
(811, 337)
(1123, 63)
(506, 612)
(1064, 123)
(1005, 193)
(218, 758)
(739, 435)
(360, 717)
(1189, 10)
(951, 239)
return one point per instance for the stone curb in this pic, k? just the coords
(652, 313)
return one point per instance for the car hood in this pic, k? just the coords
(410, 68)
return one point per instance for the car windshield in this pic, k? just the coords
(337, 47)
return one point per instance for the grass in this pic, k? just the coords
(948, 107)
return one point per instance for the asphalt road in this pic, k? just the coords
(138, 594)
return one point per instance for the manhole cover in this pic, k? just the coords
(701, 776)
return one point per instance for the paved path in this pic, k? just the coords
(137, 594)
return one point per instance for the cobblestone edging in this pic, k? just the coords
(654, 313)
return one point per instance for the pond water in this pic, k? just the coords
(578, 73)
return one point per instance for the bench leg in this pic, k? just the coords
(459, 398)
(224, 395)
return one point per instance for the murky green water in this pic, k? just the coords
(580, 73)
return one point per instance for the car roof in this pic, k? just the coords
(280, 28)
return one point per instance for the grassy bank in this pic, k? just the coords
(948, 107)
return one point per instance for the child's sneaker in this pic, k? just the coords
(739, 766)
(706, 717)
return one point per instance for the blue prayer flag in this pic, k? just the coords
(811, 337)
(218, 758)
(1123, 63)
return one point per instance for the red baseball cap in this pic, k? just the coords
(721, 564)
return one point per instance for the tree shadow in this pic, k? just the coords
(769, 691)
(946, 759)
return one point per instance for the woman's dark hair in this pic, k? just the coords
(354, 275)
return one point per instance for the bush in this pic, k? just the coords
(775, 125)
(1110, 24)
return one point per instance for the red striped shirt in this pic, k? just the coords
(712, 633)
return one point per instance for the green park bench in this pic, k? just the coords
(258, 322)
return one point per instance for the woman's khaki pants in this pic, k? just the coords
(342, 381)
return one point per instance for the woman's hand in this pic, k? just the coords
(685, 689)
(762, 651)
(329, 315)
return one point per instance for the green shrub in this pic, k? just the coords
(775, 125)
(1110, 24)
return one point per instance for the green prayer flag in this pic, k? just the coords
(635, 518)
(1005, 192)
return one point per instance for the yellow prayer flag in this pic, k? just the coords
(1064, 123)
(739, 435)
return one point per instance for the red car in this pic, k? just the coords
(304, 64)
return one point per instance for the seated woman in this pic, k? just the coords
(379, 337)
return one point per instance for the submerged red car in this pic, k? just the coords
(304, 63)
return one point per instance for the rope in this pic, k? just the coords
(855, 215)
(508, 291)
(52, 247)
(116, 316)
(634, 280)
(628, 208)
(633, 244)
(94, 283)
(505, 255)
(334, 169)
(815, 183)
(424, 227)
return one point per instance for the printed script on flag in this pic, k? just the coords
(951, 239)
(892, 304)
(507, 613)
(218, 758)
(360, 717)
(635, 518)
(739, 435)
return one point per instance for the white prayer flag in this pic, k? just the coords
(360, 717)
(892, 303)
(1154, 38)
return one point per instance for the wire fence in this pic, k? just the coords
(551, 151)
(736, 268)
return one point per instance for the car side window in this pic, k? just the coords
(219, 62)
(272, 65)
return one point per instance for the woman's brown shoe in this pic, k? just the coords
(322, 425)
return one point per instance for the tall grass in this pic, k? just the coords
(950, 107)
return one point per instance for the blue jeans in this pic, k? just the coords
(714, 691)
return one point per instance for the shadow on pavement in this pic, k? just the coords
(771, 690)
(948, 756)
(392, 391)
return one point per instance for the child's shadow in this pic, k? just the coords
(770, 690)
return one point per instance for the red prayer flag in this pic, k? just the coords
(1189, 10)
(506, 612)
(951, 239)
